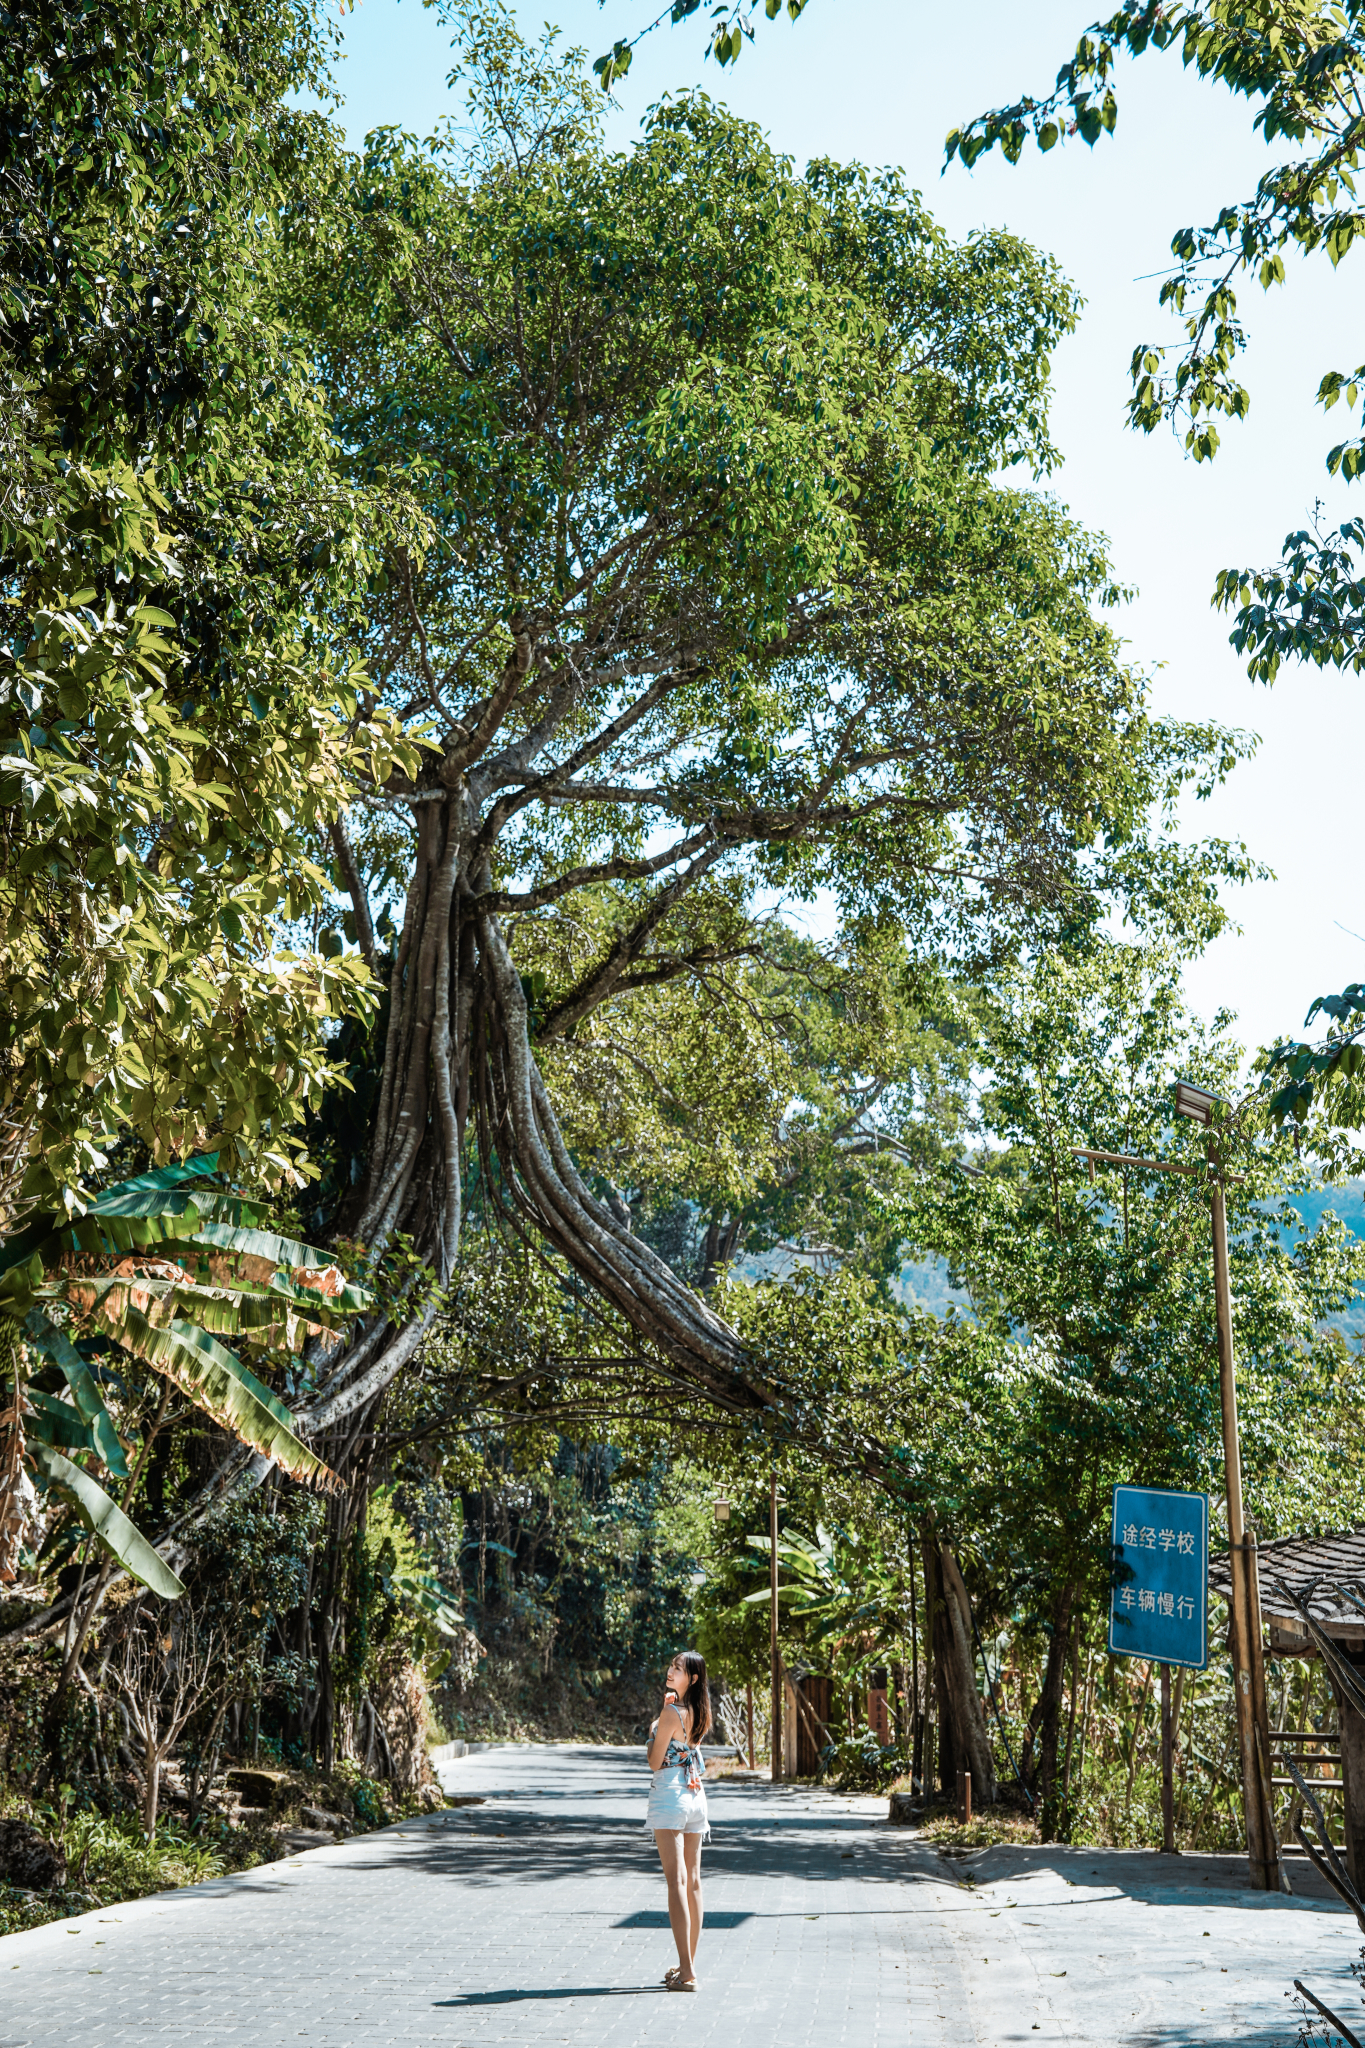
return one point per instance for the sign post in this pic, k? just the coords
(1158, 1603)
(1167, 1766)
(1158, 1607)
(1244, 1632)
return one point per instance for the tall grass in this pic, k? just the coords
(109, 1860)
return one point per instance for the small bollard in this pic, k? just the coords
(964, 1796)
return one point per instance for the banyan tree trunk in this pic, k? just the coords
(459, 1068)
(1054, 1674)
(955, 1668)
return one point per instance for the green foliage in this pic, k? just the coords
(694, 617)
(1310, 607)
(109, 1860)
(1301, 63)
(391, 1562)
(179, 717)
(841, 1595)
(125, 1279)
(249, 1568)
(1099, 1297)
(730, 27)
(859, 1763)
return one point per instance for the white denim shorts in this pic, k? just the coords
(672, 1806)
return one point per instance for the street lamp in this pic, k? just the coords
(1195, 1103)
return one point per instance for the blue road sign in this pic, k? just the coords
(1158, 1605)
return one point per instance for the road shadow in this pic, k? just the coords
(539, 1994)
(1145, 1874)
(715, 1922)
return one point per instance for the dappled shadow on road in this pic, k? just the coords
(1212, 1881)
(512, 1848)
(554, 1833)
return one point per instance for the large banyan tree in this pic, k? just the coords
(723, 601)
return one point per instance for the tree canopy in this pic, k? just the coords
(179, 712)
(722, 601)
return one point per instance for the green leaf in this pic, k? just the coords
(45, 1336)
(125, 1198)
(57, 1422)
(284, 1253)
(107, 1521)
(225, 1389)
(426, 1592)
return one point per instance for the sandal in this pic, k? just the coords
(677, 1983)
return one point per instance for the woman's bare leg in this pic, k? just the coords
(668, 1842)
(692, 1857)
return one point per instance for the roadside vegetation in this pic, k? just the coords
(571, 803)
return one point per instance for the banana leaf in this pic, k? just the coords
(106, 1519)
(225, 1389)
(322, 1291)
(273, 1316)
(128, 1196)
(45, 1336)
(57, 1422)
(267, 1245)
(426, 1592)
(106, 1236)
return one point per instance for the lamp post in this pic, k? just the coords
(1248, 1653)
(776, 1744)
(1248, 1656)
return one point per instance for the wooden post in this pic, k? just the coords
(1352, 1727)
(772, 1633)
(929, 1761)
(1167, 1785)
(1245, 1638)
(915, 1745)
(1077, 1628)
(964, 1795)
(1276, 1879)
(749, 1720)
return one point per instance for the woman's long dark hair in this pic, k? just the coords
(696, 1701)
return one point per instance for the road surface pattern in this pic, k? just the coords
(537, 1916)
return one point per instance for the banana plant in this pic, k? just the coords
(160, 1267)
(836, 1590)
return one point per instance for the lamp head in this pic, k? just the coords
(1195, 1103)
(721, 1510)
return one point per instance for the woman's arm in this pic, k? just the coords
(669, 1727)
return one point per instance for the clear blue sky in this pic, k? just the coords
(883, 81)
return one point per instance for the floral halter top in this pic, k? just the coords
(683, 1756)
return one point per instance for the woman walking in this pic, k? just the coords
(677, 1804)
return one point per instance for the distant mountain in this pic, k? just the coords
(924, 1281)
(1346, 1201)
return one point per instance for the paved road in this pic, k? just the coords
(536, 1916)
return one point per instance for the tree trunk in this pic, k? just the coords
(962, 1713)
(459, 1045)
(1050, 1719)
(151, 1767)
